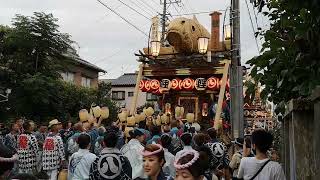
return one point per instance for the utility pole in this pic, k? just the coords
(163, 21)
(164, 18)
(236, 73)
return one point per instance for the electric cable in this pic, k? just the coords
(127, 21)
(133, 9)
(252, 26)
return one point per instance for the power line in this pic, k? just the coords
(255, 15)
(134, 9)
(144, 6)
(127, 21)
(189, 6)
(149, 6)
(252, 26)
(176, 9)
(139, 6)
(195, 13)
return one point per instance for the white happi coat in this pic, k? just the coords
(53, 152)
(132, 150)
(169, 165)
(79, 164)
(28, 153)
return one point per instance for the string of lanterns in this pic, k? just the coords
(159, 87)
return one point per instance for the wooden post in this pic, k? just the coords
(221, 95)
(136, 91)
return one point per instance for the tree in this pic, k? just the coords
(32, 52)
(289, 66)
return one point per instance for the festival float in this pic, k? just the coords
(188, 71)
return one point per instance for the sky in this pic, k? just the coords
(107, 41)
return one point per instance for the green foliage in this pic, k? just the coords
(289, 66)
(32, 52)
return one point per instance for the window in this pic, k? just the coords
(130, 94)
(118, 95)
(85, 82)
(67, 76)
(151, 97)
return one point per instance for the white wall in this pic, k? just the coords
(142, 97)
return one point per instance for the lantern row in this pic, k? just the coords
(158, 87)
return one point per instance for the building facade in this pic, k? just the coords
(81, 72)
(122, 91)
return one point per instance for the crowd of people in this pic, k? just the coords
(90, 151)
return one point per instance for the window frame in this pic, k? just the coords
(117, 98)
(130, 94)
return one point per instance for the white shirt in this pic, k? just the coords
(169, 165)
(185, 148)
(79, 164)
(249, 166)
(132, 151)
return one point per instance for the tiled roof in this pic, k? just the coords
(86, 63)
(127, 79)
(73, 55)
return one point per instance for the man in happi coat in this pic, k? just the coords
(53, 151)
(28, 150)
(111, 163)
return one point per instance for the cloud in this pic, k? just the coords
(108, 41)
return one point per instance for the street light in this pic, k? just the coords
(227, 32)
(155, 48)
(203, 44)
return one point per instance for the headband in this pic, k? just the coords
(188, 164)
(149, 153)
(12, 159)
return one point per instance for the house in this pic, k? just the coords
(81, 72)
(123, 91)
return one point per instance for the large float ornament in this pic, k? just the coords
(213, 83)
(188, 84)
(176, 84)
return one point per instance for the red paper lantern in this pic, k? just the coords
(147, 86)
(227, 84)
(213, 83)
(165, 85)
(200, 84)
(154, 84)
(142, 85)
(176, 84)
(188, 84)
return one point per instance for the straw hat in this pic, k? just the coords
(53, 122)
